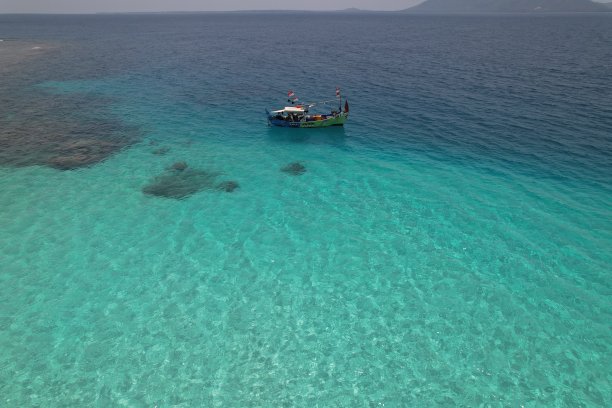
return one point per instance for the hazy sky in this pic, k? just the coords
(90, 6)
(87, 6)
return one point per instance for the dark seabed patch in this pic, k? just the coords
(181, 184)
(228, 186)
(295, 169)
(60, 130)
(179, 166)
(83, 152)
(162, 151)
(53, 132)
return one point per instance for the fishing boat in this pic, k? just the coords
(304, 115)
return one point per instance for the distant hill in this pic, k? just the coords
(508, 6)
(353, 10)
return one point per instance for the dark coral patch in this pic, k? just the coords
(63, 131)
(161, 151)
(179, 166)
(295, 169)
(228, 186)
(181, 184)
(80, 153)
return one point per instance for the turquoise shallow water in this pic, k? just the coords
(425, 263)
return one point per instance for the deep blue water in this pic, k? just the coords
(450, 246)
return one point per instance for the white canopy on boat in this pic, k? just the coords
(290, 109)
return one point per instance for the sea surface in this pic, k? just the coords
(451, 246)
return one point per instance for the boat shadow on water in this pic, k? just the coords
(334, 136)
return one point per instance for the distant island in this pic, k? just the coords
(508, 6)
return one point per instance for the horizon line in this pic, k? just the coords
(350, 10)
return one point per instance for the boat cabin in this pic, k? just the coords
(289, 113)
